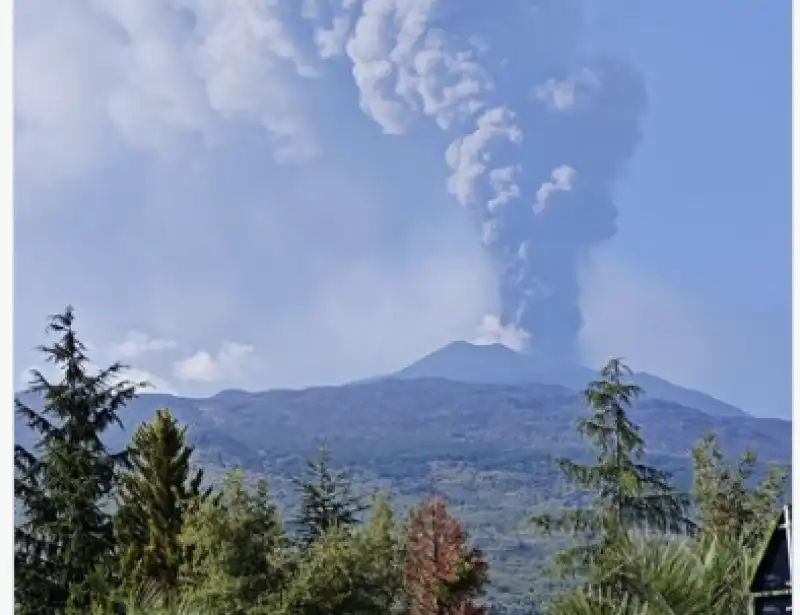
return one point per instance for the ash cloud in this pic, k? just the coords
(534, 129)
(539, 132)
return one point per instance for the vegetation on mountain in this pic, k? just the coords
(103, 532)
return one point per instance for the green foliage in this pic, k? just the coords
(626, 493)
(665, 576)
(236, 545)
(326, 499)
(341, 573)
(171, 549)
(62, 484)
(153, 498)
(729, 507)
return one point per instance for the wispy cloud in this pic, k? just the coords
(229, 363)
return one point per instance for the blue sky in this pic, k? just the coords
(272, 193)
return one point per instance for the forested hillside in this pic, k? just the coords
(459, 497)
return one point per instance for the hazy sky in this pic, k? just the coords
(261, 193)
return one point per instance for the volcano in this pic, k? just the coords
(498, 364)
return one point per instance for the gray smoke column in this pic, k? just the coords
(539, 129)
(552, 199)
(586, 137)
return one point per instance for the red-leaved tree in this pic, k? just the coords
(443, 576)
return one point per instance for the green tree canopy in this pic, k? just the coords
(236, 547)
(62, 485)
(326, 499)
(626, 493)
(730, 503)
(154, 497)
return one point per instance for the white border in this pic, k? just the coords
(7, 302)
(795, 266)
(6, 271)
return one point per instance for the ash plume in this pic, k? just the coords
(536, 128)
(539, 129)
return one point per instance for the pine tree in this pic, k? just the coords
(443, 576)
(153, 499)
(326, 499)
(63, 484)
(627, 494)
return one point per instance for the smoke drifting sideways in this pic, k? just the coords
(540, 130)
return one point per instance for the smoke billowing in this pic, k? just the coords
(535, 128)
(539, 130)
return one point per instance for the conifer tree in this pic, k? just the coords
(155, 495)
(627, 493)
(62, 485)
(350, 570)
(326, 499)
(236, 548)
(443, 576)
(381, 554)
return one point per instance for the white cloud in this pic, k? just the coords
(563, 94)
(229, 363)
(401, 66)
(95, 74)
(155, 383)
(492, 331)
(468, 158)
(505, 186)
(562, 179)
(134, 344)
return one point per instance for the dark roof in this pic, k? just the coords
(774, 572)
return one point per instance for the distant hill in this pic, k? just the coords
(498, 364)
(489, 448)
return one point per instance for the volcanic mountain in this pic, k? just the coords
(498, 364)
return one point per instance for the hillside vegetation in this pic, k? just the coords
(461, 498)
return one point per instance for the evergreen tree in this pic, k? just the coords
(63, 484)
(154, 497)
(236, 549)
(332, 577)
(730, 504)
(627, 494)
(326, 499)
(381, 555)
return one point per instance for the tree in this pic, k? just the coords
(350, 570)
(443, 576)
(626, 493)
(154, 497)
(63, 483)
(380, 552)
(669, 575)
(236, 548)
(326, 499)
(729, 506)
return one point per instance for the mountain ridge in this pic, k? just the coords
(462, 361)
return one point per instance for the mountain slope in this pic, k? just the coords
(497, 364)
(488, 448)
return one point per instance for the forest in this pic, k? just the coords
(142, 529)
